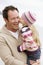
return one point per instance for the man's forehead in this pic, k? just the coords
(13, 13)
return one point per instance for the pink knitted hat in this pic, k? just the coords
(29, 18)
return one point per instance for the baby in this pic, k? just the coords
(28, 41)
(29, 46)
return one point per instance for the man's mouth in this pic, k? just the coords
(16, 23)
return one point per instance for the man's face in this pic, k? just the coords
(13, 19)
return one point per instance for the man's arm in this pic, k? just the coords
(6, 55)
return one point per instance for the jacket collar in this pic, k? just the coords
(5, 30)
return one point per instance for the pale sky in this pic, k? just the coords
(35, 6)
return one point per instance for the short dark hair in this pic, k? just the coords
(6, 9)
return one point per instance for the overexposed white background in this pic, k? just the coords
(35, 6)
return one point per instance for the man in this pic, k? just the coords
(30, 41)
(9, 38)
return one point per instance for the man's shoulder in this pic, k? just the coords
(4, 31)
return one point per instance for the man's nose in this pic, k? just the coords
(17, 20)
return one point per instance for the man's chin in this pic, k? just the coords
(16, 28)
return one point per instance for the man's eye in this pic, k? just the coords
(17, 17)
(13, 18)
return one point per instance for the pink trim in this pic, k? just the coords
(31, 16)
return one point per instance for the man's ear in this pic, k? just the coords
(6, 21)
